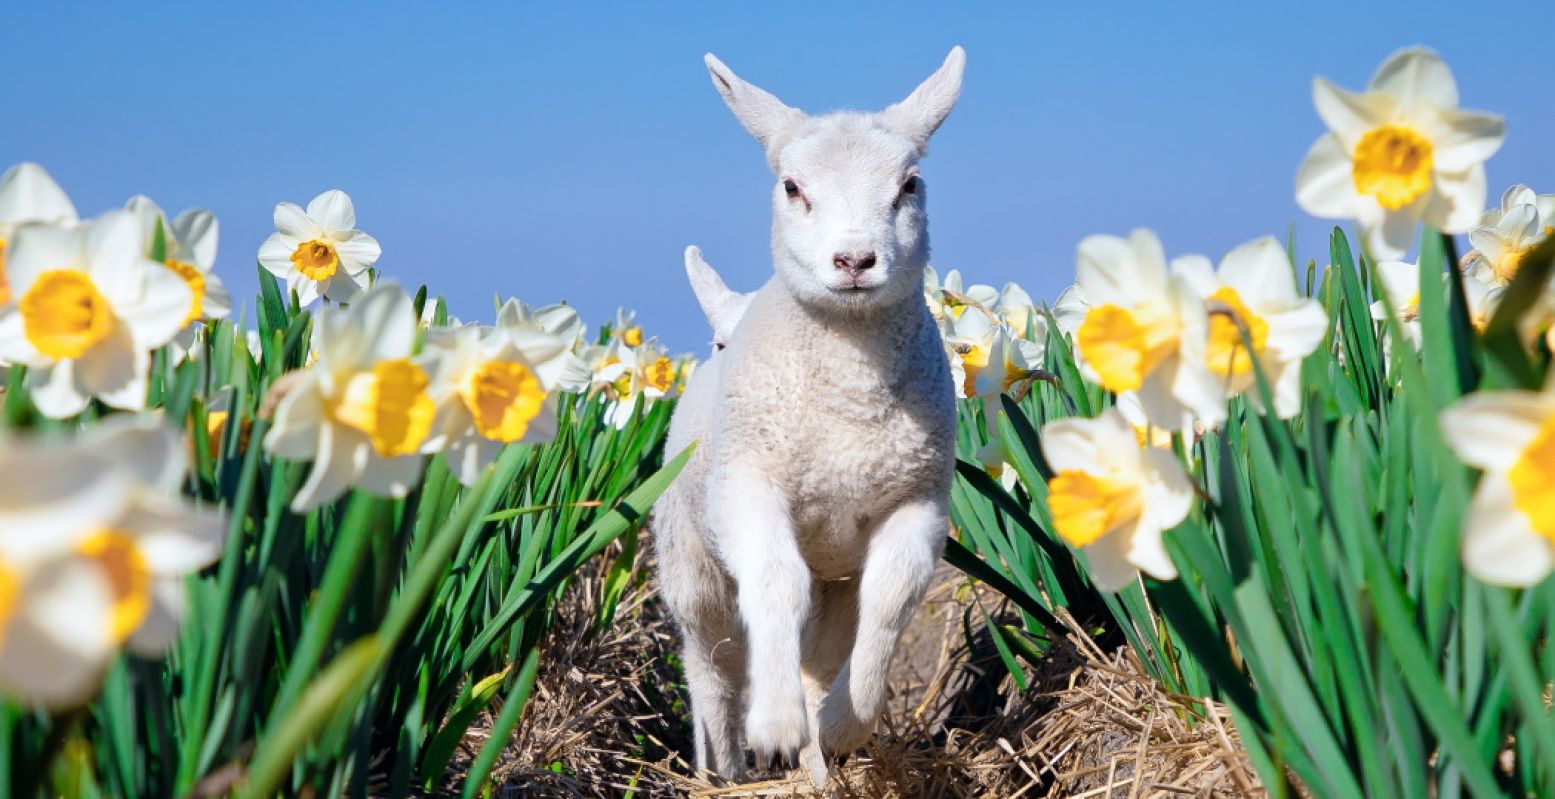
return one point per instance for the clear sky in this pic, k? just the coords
(571, 153)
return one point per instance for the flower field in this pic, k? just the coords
(306, 544)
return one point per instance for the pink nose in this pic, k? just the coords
(853, 262)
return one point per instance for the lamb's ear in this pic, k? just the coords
(765, 116)
(921, 113)
(722, 306)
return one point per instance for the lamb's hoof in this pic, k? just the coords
(776, 728)
(842, 731)
(815, 765)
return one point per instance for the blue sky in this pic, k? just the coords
(571, 153)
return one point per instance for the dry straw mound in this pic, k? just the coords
(608, 718)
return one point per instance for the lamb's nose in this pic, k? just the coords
(853, 262)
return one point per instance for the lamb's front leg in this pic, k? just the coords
(901, 559)
(756, 534)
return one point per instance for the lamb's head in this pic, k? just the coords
(849, 221)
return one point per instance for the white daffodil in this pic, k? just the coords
(625, 328)
(28, 194)
(955, 298)
(361, 412)
(1112, 500)
(1509, 532)
(1482, 300)
(1015, 308)
(968, 331)
(94, 546)
(1131, 337)
(1401, 282)
(1399, 152)
(621, 374)
(189, 250)
(561, 321)
(1070, 308)
(88, 310)
(494, 387)
(1506, 235)
(1256, 285)
(319, 251)
(1013, 363)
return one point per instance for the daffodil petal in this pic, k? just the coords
(332, 210)
(1500, 546)
(1490, 429)
(1455, 204)
(1465, 139)
(1325, 186)
(292, 221)
(1414, 75)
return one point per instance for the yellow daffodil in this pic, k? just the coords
(621, 374)
(1509, 532)
(88, 310)
(494, 387)
(1112, 500)
(319, 251)
(1131, 336)
(1256, 287)
(625, 328)
(363, 411)
(1399, 152)
(94, 546)
(1506, 235)
(566, 372)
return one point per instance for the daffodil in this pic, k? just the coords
(88, 310)
(969, 336)
(28, 194)
(951, 298)
(1509, 531)
(1399, 152)
(363, 411)
(621, 374)
(1070, 308)
(189, 250)
(1013, 363)
(319, 251)
(1131, 336)
(1401, 282)
(1112, 500)
(94, 546)
(560, 321)
(1015, 308)
(1506, 235)
(494, 387)
(625, 329)
(1256, 289)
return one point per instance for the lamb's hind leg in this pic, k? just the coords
(714, 658)
(902, 554)
(827, 640)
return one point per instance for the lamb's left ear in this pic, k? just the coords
(921, 113)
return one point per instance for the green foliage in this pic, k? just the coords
(1321, 591)
(345, 650)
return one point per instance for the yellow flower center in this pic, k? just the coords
(316, 260)
(1533, 480)
(1393, 165)
(63, 315)
(974, 358)
(503, 396)
(196, 280)
(1086, 507)
(1411, 310)
(10, 588)
(129, 578)
(1123, 345)
(1226, 353)
(632, 336)
(660, 374)
(5, 288)
(389, 404)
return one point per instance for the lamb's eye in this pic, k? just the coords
(911, 185)
(791, 189)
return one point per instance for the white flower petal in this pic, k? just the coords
(35, 249)
(28, 194)
(1325, 184)
(1349, 114)
(342, 456)
(292, 221)
(1464, 139)
(1455, 204)
(358, 251)
(1415, 75)
(159, 630)
(1108, 561)
(54, 390)
(333, 211)
(196, 231)
(391, 477)
(1500, 546)
(115, 371)
(1490, 429)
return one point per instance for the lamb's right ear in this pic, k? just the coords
(765, 116)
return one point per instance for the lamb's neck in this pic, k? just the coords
(875, 339)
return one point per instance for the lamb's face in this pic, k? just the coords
(848, 221)
(848, 228)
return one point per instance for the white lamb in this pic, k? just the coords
(798, 541)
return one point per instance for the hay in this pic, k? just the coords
(608, 718)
